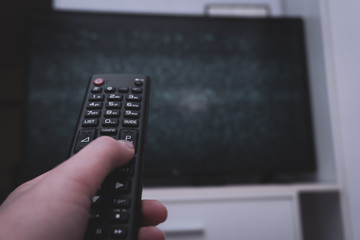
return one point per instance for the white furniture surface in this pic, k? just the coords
(242, 212)
(328, 207)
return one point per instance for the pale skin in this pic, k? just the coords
(55, 205)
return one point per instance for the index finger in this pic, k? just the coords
(91, 165)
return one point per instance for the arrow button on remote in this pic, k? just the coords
(84, 138)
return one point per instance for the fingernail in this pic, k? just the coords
(128, 144)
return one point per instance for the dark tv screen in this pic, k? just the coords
(229, 97)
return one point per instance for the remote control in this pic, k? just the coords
(115, 105)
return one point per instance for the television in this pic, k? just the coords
(229, 101)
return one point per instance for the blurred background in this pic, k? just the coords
(326, 208)
(12, 69)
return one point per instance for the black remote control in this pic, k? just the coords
(115, 105)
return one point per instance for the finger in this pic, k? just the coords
(151, 233)
(89, 167)
(153, 212)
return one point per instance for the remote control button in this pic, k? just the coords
(131, 114)
(127, 170)
(109, 89)
(132, 106)
(123, 90)
(122, 186)
(139, 82)
(96, 89)
(119, 232)
(95, 233)
(136, 90)
(94, 216)
(110, 122)
(115, 97)
(94, 105)
(108, 131)
(130, 123)
(113, 105)
(90, 123)
(96, 201)
(119, 215)
(112, 113)
(96, 97)
(99, 81)
(92, 113)
(84, 138)
(133, 98)
(129, 135)
(121, 202)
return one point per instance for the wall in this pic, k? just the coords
(345, 33)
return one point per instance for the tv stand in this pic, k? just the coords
(247, 212)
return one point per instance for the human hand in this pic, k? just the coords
(55, 205)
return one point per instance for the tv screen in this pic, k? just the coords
(229, 98)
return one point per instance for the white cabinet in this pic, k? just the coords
(228, 213)
(249, 213)
(255, 219)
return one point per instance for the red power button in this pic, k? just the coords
(99, 81)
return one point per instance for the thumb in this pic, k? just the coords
(91, 165)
